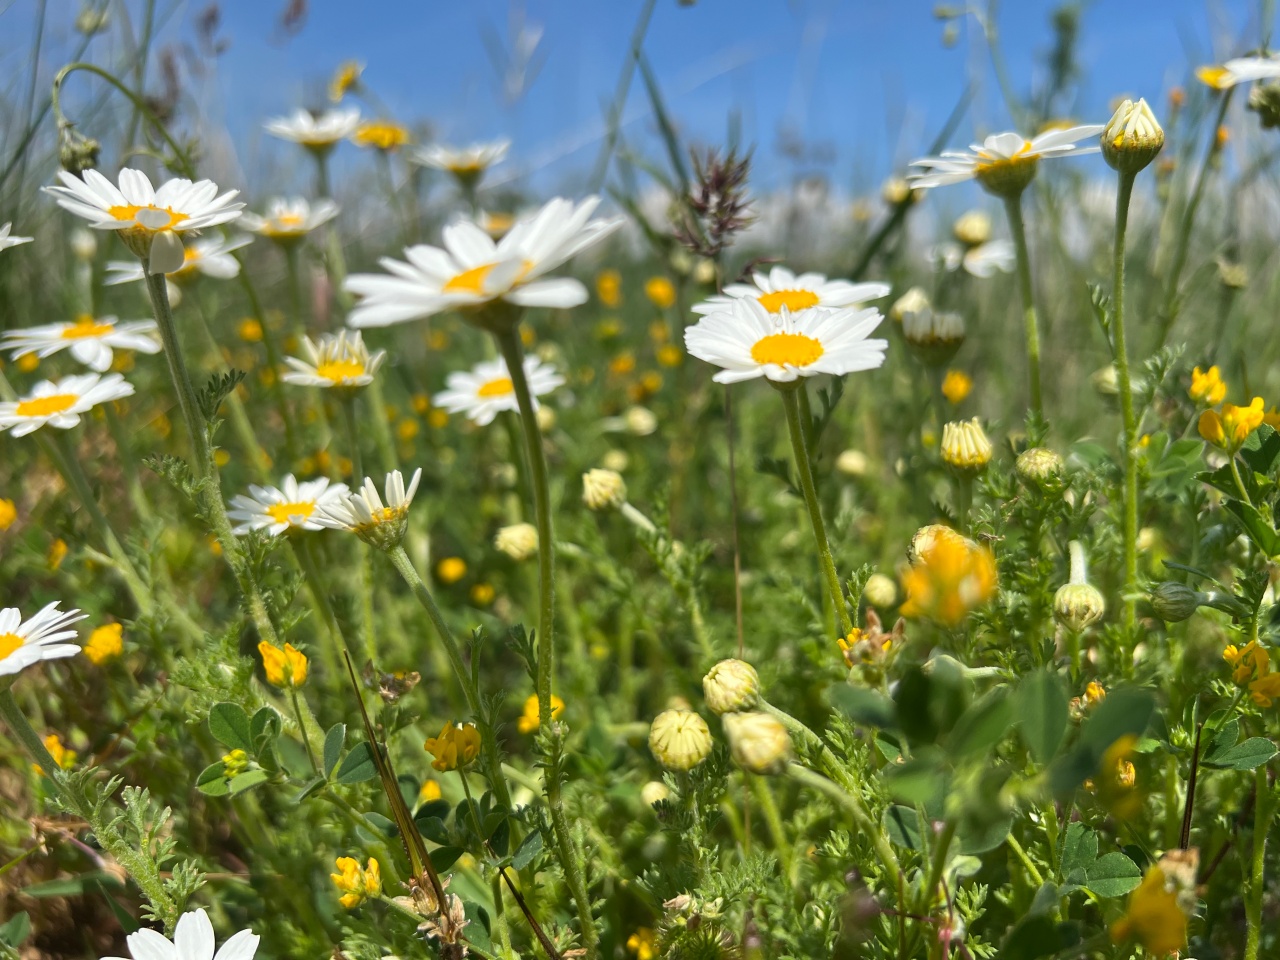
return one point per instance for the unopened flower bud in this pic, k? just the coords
(897, 191)
(1106, 381)
(640, 422)
(1172, 601)
(965, 446)
(77, 153)
(973, 228)
(759, 742)
(615, 460)
(1039, 467)
(731, 686)
(603, 490)
(1077, 605)
(655, 791)
(880, 591)
(704, 271)
(679, 739)
(912, 301)
(1264, 100)
(546, 417)
(1132, 137)
(935, 336)
(518, 541)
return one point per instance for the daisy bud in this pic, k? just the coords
(912, 301)
(616, 460)
(965, 446)
(640, 422)
(603, 490)
(880, 591)
(1132, 137)
(935, 336)
(1077, 605)
(731, 686)
(1039, 467)
(1264, 100)
(518, 541)
(1106, 381)
(759, 743)
(1173, 602)
(77, 153)
(972, 229)
(897, 190)
(852, 463)
(546, 418)
(655, 791)
(679, 739)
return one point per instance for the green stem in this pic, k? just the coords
(1033, 872)
(240, 422)
(377, 413)
(274, 362)
(1262, 810)
(1013, 210)
(1130, 527)
(940, 851)
(353, 436)
(861, 818)
(801, 451)
(764, 797)
(305, 554)
(302, 730)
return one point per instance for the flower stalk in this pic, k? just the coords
(1018, 229)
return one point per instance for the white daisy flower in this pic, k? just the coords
(149, 220)
(336, 361)
(1001, 152)
(472, 269)
(983, 261)
(60, 404)
(364, 514)
(192, 940)
(748, 341)
(486, 389)
(1239, 70)
(318, 132)
(465, 163)
(23, 643)
(7, 241)
(781, 288)
(91, 340)
(291, 506)
(206, 257)
(290, 218)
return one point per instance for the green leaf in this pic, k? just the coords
(212, 781)
(1112, 875)
(1256, 526)
(311, 787)
(1249, 755)
(333, 741)
(1261, 450)
(16, 929)
(1038, 936)
(1079, 851)
(500, 839)
(229, 725)
(902, 824)
(478, 930)
(358, 765)
(1040, 708)
(264, 728)
(383, 824)
(982, 726)
(433, 808)
(921, 779)
(248, 780)
(442, 858)
(975, 838)
(433, 829)
(1125, 712)
(863, 706)
(529, 848)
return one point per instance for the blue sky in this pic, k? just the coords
(862, 83)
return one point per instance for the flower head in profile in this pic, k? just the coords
(1239, 70)
(473, 270)
(90, 340)
(530, 719)
(8, 240)
(148, 219)
(60, 404)
(456, 746)
(364, 514)
(345, 79)
(1004, 163)
(949, 576)
(486, 389)
(356, 884)
(780, 288)
(1207, 386)
(468, 164)
(193, 939)
(318, 132)
(747, 341)
(982, 260)
(206, 257)
(290, 219)
(336, 360)
(285, 668)
(384, 135)
(292, 506)
(41, 637)
(1230, 428)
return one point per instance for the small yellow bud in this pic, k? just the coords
(518, 541)
(8, 514)
(965, 446)
(1040, 467)
(1132, 137)
(731, 686)
(355, 883)
(880, 591)
(1077, 605)
(653, 792)
(450, 570)
(105, 643)
(973, 228)
(603, 490)
(679, 739)
(759, 743)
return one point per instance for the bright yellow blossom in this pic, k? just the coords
(105, 643)
(669, 355)
(64, 757)
(8, 514)
(284, 668)
(451, 569)
(1155, 916)
(345, 79)
(956, 385)
(430, 791)
(355, 883)
(609, 287)
(250, 330)
(456, 746)
(949, 576)
(1230, 428)
(643, 944)
(529, 720)
(57, 553)
(482, 594)
(660, 291)
(385, 135)
(1207, 387)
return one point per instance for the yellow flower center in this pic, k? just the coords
(787, 349)
(46, 406)
(793, 300)
(472, 281)
(1217, 77)
(9, 642)
(282, 512)
(130, 212)
(496, 388)
(85, 327)
(339, 370)
(466, 167)
(380, 134)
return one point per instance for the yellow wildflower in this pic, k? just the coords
(643, 944)
(1230, 428)
(956, 385)
(420, 402)
(456, 746)
(385, 135)
(407, 429)
(451, 569)
(949, 576)
(482, 594)
(345, 79)
(1207, 387)
(234, 763)
(250, 330)
(669, 355)
(8, 514)
(284, 668)
(28, 362)
(356, 884)
(430, 791)
(529, 721)
(64, 757)
(660, 291)
(1155, 916)
(57, 553)
(438, 418)
(609, 287)
(105, 643)
(623, 363)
